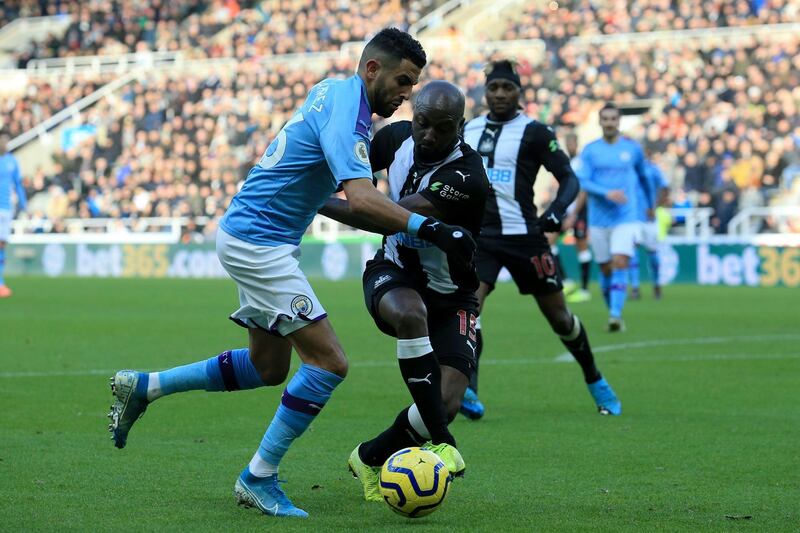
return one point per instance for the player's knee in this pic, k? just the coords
(272, 377)
(561, 322)
(412, 322)
(335, 361)
(620, 262)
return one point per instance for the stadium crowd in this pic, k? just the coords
(218, 28)
(555, 21)
(724, 124)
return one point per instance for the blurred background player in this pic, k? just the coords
(416, 293)
(324, 144)
(514, 148)
(576, 220)
(609, 170)
(649, 235)
(10, 179)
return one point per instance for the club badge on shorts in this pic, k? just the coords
(302, 305)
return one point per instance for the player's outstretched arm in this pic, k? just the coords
(366, 202)
(339, 210)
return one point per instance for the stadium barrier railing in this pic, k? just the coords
(690, 224)
(749, 220)
(71, 112)
(101, 64)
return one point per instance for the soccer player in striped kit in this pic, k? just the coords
(514, 147)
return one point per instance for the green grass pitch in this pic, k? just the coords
(709, 438)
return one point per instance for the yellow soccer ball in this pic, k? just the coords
(414, 482)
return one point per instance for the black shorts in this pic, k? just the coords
(451, 317)
(581, 229)
(527, 258)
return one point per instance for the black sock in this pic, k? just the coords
(581, 351)
(585, 266)
(473, 381)
(398, 436)
(423, 378)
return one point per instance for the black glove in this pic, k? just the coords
(552, 218)
(452, 240)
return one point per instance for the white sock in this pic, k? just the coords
(153, 387)
(260, 468)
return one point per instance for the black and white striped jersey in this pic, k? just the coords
(513, 151)
(457, 186)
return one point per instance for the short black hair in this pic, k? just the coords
(609, 106)
(397, 44)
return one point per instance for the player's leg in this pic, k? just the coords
(574, 337)
(471, 406)
(261, 305)
(650, 241)
(585, 262)
(229, 371)
(265, 362)
(323, 369)
(408, 429)
(488, 262)
(655, 272)
(581, 232)
(5, 292)
(452, 332)
(569, 285)
(452, 322)
(601, 250)
(622, 246)
(403, 310)
(634, 275)
(5, 232)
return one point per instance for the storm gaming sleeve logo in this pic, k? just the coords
(302, 305)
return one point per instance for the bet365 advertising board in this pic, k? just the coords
(704, 264)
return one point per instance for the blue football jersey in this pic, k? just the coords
(324, 143)
(10, 178)
(604, 167)
(657, 181)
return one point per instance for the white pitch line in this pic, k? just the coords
(565, 357)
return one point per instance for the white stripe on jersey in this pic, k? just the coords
(433, 260)
(503, 174)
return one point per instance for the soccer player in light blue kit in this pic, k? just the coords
(10, 178)
(323, 146)
(609, 170)
(648, 238)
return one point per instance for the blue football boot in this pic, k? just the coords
(471, 406)
(607, 402)
(265, 494)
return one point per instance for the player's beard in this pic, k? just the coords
(429, 157)
(383, 102)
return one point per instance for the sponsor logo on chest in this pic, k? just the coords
(448, 192)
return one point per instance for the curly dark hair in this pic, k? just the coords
(394, 44)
